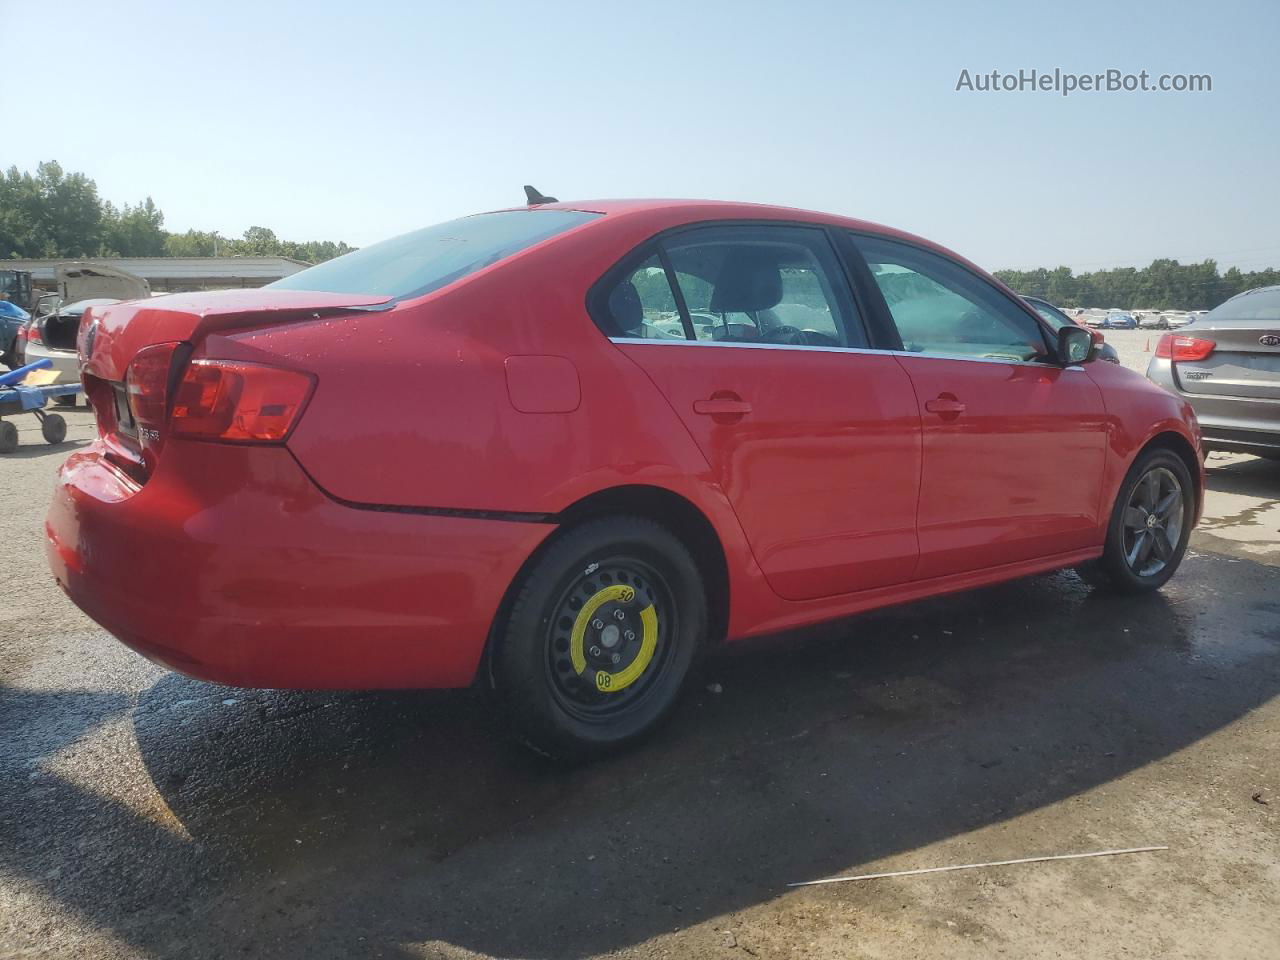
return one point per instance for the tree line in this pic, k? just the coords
(55, 214)
(1165, 285)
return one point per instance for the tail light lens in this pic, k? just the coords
(1180, 348)
(147, 387)
(147, 383)
(238, 402)
(33, 333)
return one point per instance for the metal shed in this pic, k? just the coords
(170, 274)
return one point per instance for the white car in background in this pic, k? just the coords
(53, 336)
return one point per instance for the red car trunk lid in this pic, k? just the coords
(112, 336)
(164, 331)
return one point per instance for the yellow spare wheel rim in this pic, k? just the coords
(614, 637)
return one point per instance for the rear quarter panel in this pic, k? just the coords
(412, 406)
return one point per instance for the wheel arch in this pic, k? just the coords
(1177, 444)
(686, 521)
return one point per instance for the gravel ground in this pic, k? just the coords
(143, 814)
(1135, 347)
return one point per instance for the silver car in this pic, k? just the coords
(1227, 366)
(53, 336)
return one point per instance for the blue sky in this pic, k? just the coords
(359, 121)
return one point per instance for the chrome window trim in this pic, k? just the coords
(871, 350)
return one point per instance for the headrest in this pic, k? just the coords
(749, 280)
(626, 309)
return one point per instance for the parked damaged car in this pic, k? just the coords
(562, 451)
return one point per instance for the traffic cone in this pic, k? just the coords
(1148, 349)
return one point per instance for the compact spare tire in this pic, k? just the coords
(600, 637)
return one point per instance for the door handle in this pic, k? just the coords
(721, 407)
(945, 406)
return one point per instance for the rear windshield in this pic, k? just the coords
(1263, 305)
(425, 260)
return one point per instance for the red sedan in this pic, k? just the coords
(562, 450)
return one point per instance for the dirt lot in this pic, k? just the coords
(146, 815)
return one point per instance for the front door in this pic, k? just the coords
(1014, 446)
(814, 439)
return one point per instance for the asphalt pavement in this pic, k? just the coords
(143, 814)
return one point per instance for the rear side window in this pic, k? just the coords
(639, 305)
(941, 308)
(755, 284)
(1262, 305)
(417, 263)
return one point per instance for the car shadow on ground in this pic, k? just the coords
(1252, 477)
(319, 824)
(38, 448)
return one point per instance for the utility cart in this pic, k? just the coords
(17, 398)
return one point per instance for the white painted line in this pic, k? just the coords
(972, 866)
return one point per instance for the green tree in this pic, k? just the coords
(50, 214)
(134, 231)
(196, 243)
(257, 242)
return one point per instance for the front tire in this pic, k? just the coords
(598, 642)
(1149, 528)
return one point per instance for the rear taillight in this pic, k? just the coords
(1178, 348)
(31, 334)
(238, 402)
(146, 385)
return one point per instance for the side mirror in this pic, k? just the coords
(1075, 345)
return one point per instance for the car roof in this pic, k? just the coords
(694, 210)
(665, 214)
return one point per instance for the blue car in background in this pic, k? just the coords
(12, 319)
(1120, 321)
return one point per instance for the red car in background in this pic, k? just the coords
(563, 450)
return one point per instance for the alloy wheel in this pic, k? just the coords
(1153, 521)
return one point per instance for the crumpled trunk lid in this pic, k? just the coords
(78, 281)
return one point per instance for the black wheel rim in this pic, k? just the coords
(609, 638)
(1153, 521)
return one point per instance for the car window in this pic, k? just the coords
(939, 307)
(1050, 316)
(417, 263)
(1261, 304)
(763, 284)
(640, 305)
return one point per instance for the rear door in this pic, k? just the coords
(751, 334)
(1014, 447)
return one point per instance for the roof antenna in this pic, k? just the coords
(535, 198)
